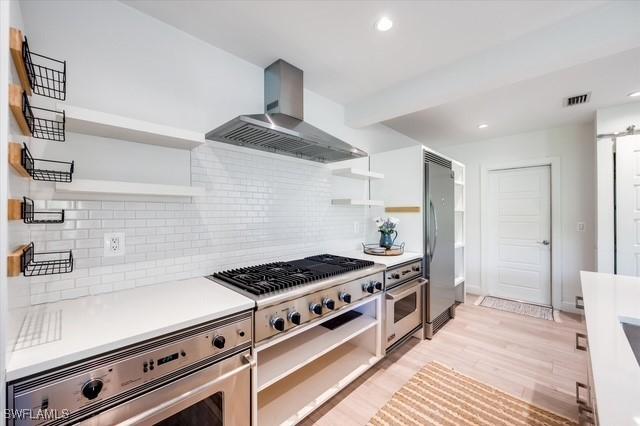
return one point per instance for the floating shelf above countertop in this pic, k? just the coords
(88, 186)
(90, 122)
(459, 245)
(458, 281)
(356, 202)
(459, 182)
(354, 173)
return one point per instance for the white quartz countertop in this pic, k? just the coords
(388, 261)
(616, 373)
(54, 334)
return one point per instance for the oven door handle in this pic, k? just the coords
(145, 416)
(405, 290)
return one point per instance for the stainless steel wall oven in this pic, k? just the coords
(200, 375)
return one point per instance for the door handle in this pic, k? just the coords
(435, 232)
(544, 242)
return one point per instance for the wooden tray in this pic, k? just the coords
(376, 250)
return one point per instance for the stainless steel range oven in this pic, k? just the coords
(404, 303)
(197, 376)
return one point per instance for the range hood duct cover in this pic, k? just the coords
(281, 129)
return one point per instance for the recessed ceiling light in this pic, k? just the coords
(483, 126)
(384, 24)
(634, 94)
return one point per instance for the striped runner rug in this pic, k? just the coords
(437, 395)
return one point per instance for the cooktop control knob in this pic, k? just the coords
(368, 287)
(395, 276)
(277, 323)
(92, 388)
(316, 308)
(329, 303)
(295, 317)
(377, 285)
(415, 268)
(219, 342)
(345, 297)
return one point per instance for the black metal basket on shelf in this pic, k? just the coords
(45, 263)
(48, 77)
(47, 124)
(46, 170)
(31, 216)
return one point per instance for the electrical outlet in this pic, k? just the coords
(114, 244)
(356, 227)
(580, 227)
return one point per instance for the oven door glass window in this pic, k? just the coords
(208, 412)
(405, 307)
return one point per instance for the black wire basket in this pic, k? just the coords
(31, 216)
(45, 263)
(47, 76)
(47, 124)
(46, 170)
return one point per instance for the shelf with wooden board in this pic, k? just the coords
(97, 123)
(356, 202)
(26, 165)
(25, 210)
(15, 160)
(402, 209)
(25, 260)
(354, 173)
(38, 74)
(89, 186)
(40, 123)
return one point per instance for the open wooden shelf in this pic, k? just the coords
(90, 122)
(15, 104)
(15, 45)
(354, 173)
(88, 186)
(402, 209)
(355, 202)
(14, 261)
(278, 361)
(15, 160)
(291, 399)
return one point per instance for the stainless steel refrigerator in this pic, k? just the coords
(439, 242)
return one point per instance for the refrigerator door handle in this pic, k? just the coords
(435, 231)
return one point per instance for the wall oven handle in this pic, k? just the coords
(435, 231)
(405, 290)
(146, 416)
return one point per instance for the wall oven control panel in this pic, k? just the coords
(109, 378)
(402, 273)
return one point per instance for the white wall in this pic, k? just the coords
(609, 120)
(258, 206)
(574, 146)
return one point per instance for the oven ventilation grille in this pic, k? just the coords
(441, 320)
(577, 99)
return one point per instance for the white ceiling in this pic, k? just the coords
(528, 105)
(335, 43)
(444, 67)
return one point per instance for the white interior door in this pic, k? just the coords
(519, 234)
(628, 205)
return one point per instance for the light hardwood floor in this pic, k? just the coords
(530, 358)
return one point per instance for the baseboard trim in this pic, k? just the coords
(571, 307)
(473, 289)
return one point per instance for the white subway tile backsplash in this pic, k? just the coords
(258, 208)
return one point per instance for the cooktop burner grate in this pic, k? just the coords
(270, 277)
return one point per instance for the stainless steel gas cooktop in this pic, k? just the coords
(292, 293)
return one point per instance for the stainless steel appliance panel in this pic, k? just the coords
(403, 310)
(439, 240)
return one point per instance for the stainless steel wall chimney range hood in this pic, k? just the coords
(281, 128)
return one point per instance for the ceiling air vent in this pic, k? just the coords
(577, 100)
